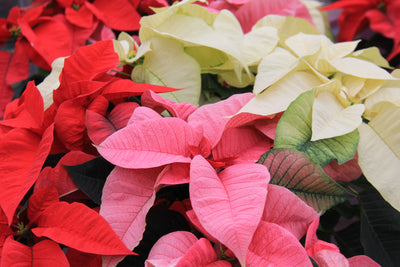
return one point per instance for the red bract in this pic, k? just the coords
(42, 38)
(379, 15)
(45, 253)
(119, 15)
(14, 68)
(74, 225)
(80, 86)
(26, 112)
(77, 226)
(58, 176)
(22, 154)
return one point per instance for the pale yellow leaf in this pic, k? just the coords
(287, 26)
(274, 67)
(330, 118)
(51, 82)
(278, 96)
(307, 44)
(360, 68)
(359, 89)
(258, 43)
(387, 125)
(379, 99)
(379, 163)
(318, 17)
(166, 64)
(373, 55)
(225, 34)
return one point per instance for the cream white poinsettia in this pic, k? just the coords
(316, 60)
(379, 152)
(214, 40)
(166, 64)
(194, 26)
(330, 117)
(320, 19)
(389, 93)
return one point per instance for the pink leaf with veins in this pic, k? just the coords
(212, 118)
(170, 248)
(127, 197)
(159, 104)
(173, 174)
(245, 119)
(273, 245)
(121, 114)
(182, 249)
(234, 141)
(150, 144)
(328, 254)
(100, 127)
(313, 244)
(362, 261)
(287, 210)
(200, 253)
(143, 114)
(195, 221)
(348, 171)
(229, 205)
(249, 13)
(268, 128)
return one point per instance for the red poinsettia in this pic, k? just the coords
(119, 14)
(28, 133)
(42, 38)
(34, 235)
(38, 38)
(382, 16)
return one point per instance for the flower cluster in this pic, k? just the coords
(227, 134)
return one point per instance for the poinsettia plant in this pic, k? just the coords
(378, 16)
(234, 134)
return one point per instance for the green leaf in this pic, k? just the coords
(91, 176)
(380, 229)
(295, 171)
(294, 131)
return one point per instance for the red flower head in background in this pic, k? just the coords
(381, 16)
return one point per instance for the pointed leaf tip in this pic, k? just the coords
(229, 204)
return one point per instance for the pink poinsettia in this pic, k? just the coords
(214, 151)
(248, 12)
(328, 254)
